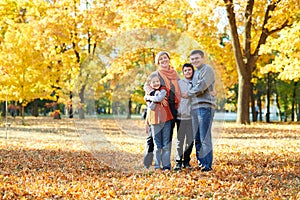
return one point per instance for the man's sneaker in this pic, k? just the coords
(167, 168)
(177, 166)
(206, 169)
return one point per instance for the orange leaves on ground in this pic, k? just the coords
(250, 162)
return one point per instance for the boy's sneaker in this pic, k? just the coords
(177, 166)
(187, 165)
(146, 167)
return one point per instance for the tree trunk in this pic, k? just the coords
(294, 101)
(278, 106)
(285, 107)
(3, 113)
(253, 107)
(129, 108)
(243, 100)
(259, 108)
(71, 106)
(23, 115)
(35, 109)
(298, 115)
(244, 66)
(268, 99)
(277, 102)
(81, 107)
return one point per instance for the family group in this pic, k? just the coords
(189, 103)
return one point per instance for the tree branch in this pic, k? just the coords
(285, 24)
(265, 32)
(161, 3)
(248, 24)
(235, 37)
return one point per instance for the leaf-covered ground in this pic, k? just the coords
(102, 159)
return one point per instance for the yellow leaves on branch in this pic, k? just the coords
(21, 56)
(286, 50)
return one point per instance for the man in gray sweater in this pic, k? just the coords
(203, 108)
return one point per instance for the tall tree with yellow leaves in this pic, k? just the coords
(250, 24)
(75, 29)
(21, 55)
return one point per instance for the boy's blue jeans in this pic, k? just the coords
(202, 123)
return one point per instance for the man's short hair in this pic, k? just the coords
(197, 52)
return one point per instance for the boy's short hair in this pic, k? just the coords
(188, 65)
(197, 51)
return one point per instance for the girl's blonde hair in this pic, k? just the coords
(151, 76)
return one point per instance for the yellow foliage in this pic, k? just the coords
(286, 60)
(73, 45)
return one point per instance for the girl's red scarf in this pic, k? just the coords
(171, 76)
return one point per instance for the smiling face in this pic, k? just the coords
(164, 61)
(197, 60)
(155, 82)
(188, 73)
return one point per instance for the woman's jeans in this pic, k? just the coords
(202, 124)
(162, 149)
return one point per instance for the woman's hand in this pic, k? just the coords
(164, 102)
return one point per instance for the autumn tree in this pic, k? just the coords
(260, 21)
(75, 29)
(285, 60)
(21, 54)
(250, 24)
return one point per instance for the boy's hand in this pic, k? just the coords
(213, 93)
(184, 95)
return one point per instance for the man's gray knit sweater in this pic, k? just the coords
(201, 87)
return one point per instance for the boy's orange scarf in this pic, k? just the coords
(170, 75)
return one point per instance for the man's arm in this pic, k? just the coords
(207, 78)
